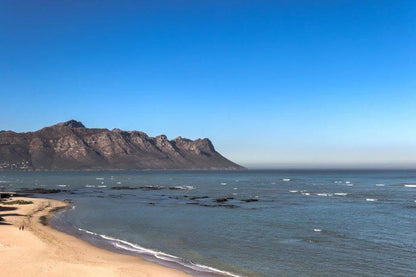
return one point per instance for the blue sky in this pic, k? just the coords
(271, 83)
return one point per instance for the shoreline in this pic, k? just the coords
(116, 245)
(41, 250)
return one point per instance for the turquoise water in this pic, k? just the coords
(274, 223)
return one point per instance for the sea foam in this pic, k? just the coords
(410, 185)
(324, 194)
(125, 245)
(371, 199)
(184, 187)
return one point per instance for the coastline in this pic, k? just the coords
(40, 250)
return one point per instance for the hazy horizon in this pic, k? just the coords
(286, 84)
(327, 166)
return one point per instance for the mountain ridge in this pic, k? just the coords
(72, 146)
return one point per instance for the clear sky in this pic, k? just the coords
(271, 83)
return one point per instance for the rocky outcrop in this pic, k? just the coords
(72, 146)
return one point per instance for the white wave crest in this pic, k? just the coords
(158, 254)
(184, 187)
(371, 199)
(324, 194)
(410, 185)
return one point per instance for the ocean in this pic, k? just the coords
(243, 223)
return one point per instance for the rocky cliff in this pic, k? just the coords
(70, 145)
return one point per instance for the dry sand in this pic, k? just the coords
(43, 251)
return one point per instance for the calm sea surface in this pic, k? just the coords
(247, 223)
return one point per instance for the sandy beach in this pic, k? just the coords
(40, 250)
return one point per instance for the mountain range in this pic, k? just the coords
(71, 146)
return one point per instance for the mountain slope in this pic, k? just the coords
(70, 145)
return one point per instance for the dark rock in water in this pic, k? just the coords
(161, 188)
(123, 188)
(6, 195)
(220, 205)
(223, 199)
(42, 191)
(198, 197)
(145, 188)
(219, 200)
(152, 187)
(72, 146)
(174, 188)
(250, 200)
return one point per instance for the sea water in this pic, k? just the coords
(243, 223)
